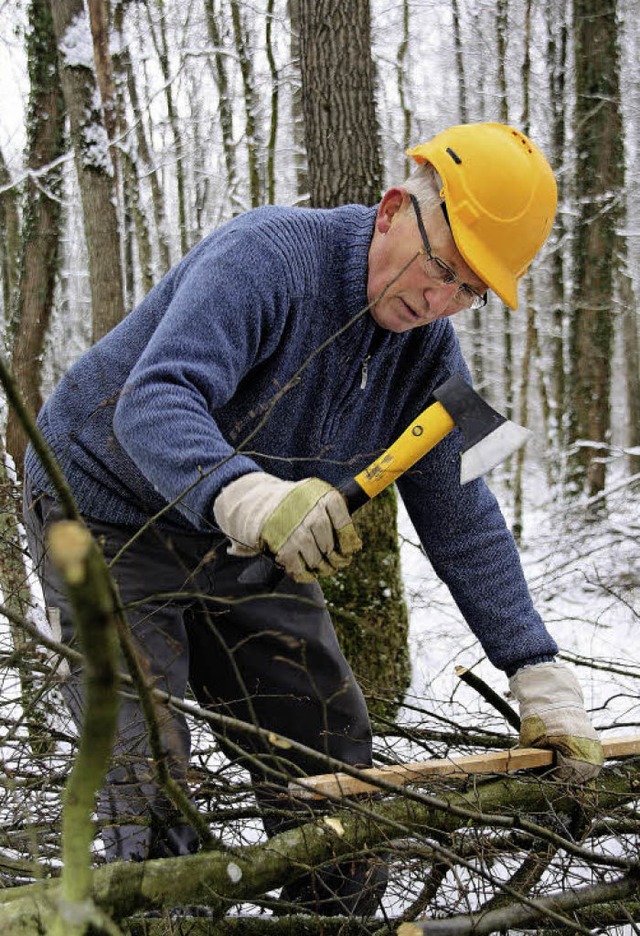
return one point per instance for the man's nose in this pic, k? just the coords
(440, 298)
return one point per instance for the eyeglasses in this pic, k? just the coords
(436, 269)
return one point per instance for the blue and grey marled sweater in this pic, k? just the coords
(223, 369)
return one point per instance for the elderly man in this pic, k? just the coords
(206, 435)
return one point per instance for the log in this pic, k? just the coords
(491, 762)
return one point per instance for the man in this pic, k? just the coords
(219, 417)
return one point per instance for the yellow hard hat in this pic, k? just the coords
(501, 199)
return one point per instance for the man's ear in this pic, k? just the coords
(392, 201)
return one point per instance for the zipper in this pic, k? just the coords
(365, 372)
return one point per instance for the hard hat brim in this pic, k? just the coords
(484, 264)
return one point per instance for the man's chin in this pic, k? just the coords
(397, 318)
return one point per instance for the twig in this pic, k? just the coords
(48, 460)
(519, 915)
(489, 695)
(148, 703)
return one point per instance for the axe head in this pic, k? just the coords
(488, 438)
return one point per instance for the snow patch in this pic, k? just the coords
(76, 46)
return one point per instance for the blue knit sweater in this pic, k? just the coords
(253, 353)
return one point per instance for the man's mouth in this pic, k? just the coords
(413, 313)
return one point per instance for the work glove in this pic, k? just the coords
(552, 715)
(305, 524)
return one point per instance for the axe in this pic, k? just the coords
(488, 439)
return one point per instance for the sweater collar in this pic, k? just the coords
(352, 257)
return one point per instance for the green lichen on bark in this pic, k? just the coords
(368, 609)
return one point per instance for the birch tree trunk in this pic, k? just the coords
(366, 599)
(297, 115)
(93, 163)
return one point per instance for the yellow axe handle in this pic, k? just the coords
(429, 428)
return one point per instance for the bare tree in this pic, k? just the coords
(158, 31)
(42, 218)
(225, 108)
(557, 52)
(253, 134)
(9, 237)
(345, 166)
(93, 163)
(599, 178)
(297, 115)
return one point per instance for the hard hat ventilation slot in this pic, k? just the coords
(454, 155)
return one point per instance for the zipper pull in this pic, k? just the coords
(365, 372)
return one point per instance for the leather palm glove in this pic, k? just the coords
(553, 715)
(305, 524)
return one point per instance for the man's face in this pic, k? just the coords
(414, 298)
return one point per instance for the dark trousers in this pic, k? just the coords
(251, 644)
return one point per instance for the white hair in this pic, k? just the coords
(425, 183)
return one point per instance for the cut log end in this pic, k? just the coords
(69, 544)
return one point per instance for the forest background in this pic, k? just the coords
(128, 131)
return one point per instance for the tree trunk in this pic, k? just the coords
(275, 100)
(162, 49)
(9, 239)
(531, 334)
(93, 164)
(134, 219)
(599, 179)
(225, 110)
(344, 166)
(631, 343)
(478, 318)
(405, 106)
(557, 45)
(150, 170)
(297, 115)
(42, 220)
(458, 44)
(251, 104)
(343, 144)
(502, 26)
(14, 584)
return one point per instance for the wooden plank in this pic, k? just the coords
(496, 762)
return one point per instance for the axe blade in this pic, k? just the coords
(488, 437)
(495, 448)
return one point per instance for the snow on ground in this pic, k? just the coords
(585, 582)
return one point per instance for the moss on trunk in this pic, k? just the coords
(368, 609)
